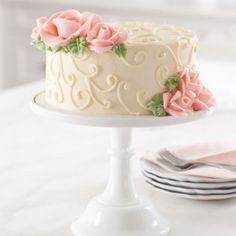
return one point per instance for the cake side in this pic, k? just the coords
(104, 83)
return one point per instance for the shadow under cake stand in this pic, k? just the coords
(119, 210)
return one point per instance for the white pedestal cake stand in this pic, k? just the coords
(119, 211)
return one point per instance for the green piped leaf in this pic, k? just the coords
(120, 50)
(40, 45)
(155, 105)
(77, 46)
(172, 82)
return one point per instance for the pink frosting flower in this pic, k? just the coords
(103, 37)
(36, 30)
(62, 26)
(89, 21)
(189, 96)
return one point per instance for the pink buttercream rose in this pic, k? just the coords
(103, 37)
(36, 30)
(63, 26)
(89, 21)
(189, 96)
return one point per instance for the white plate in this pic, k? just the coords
(191, 189)
(205, 185)
(191, 195)
(162, 173)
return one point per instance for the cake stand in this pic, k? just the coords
(119, 210)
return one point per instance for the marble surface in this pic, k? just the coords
(50, 170)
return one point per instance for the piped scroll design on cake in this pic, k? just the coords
(91, 85)
(163, 52)
(104, 103)
(138, 59)
(86, 86)
(92, 70)
(111, 81)
(81, 95)
(89, 91)
(69, 80)
(180, 40)
(79, 98)
(54, 91)
(123, 85)
(82, 98)
(162, 72)
(142, 98)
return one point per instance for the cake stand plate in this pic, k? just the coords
(40, 106)
(119, 211)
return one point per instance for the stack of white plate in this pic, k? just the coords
(187, 186)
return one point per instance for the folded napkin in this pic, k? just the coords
(216, 152)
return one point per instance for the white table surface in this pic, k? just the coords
(50, 170)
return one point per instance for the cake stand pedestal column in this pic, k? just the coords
(119, 211)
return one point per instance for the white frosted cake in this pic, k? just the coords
(124, 69)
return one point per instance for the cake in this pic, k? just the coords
(130, 68)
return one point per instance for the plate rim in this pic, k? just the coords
(183, 178)
(191, 188)
(204, 184)
(192, 196)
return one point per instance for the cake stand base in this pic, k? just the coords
(131, 220)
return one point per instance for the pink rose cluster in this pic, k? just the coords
(61, 27)
(189, 96)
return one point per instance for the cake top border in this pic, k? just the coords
(72, 32)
